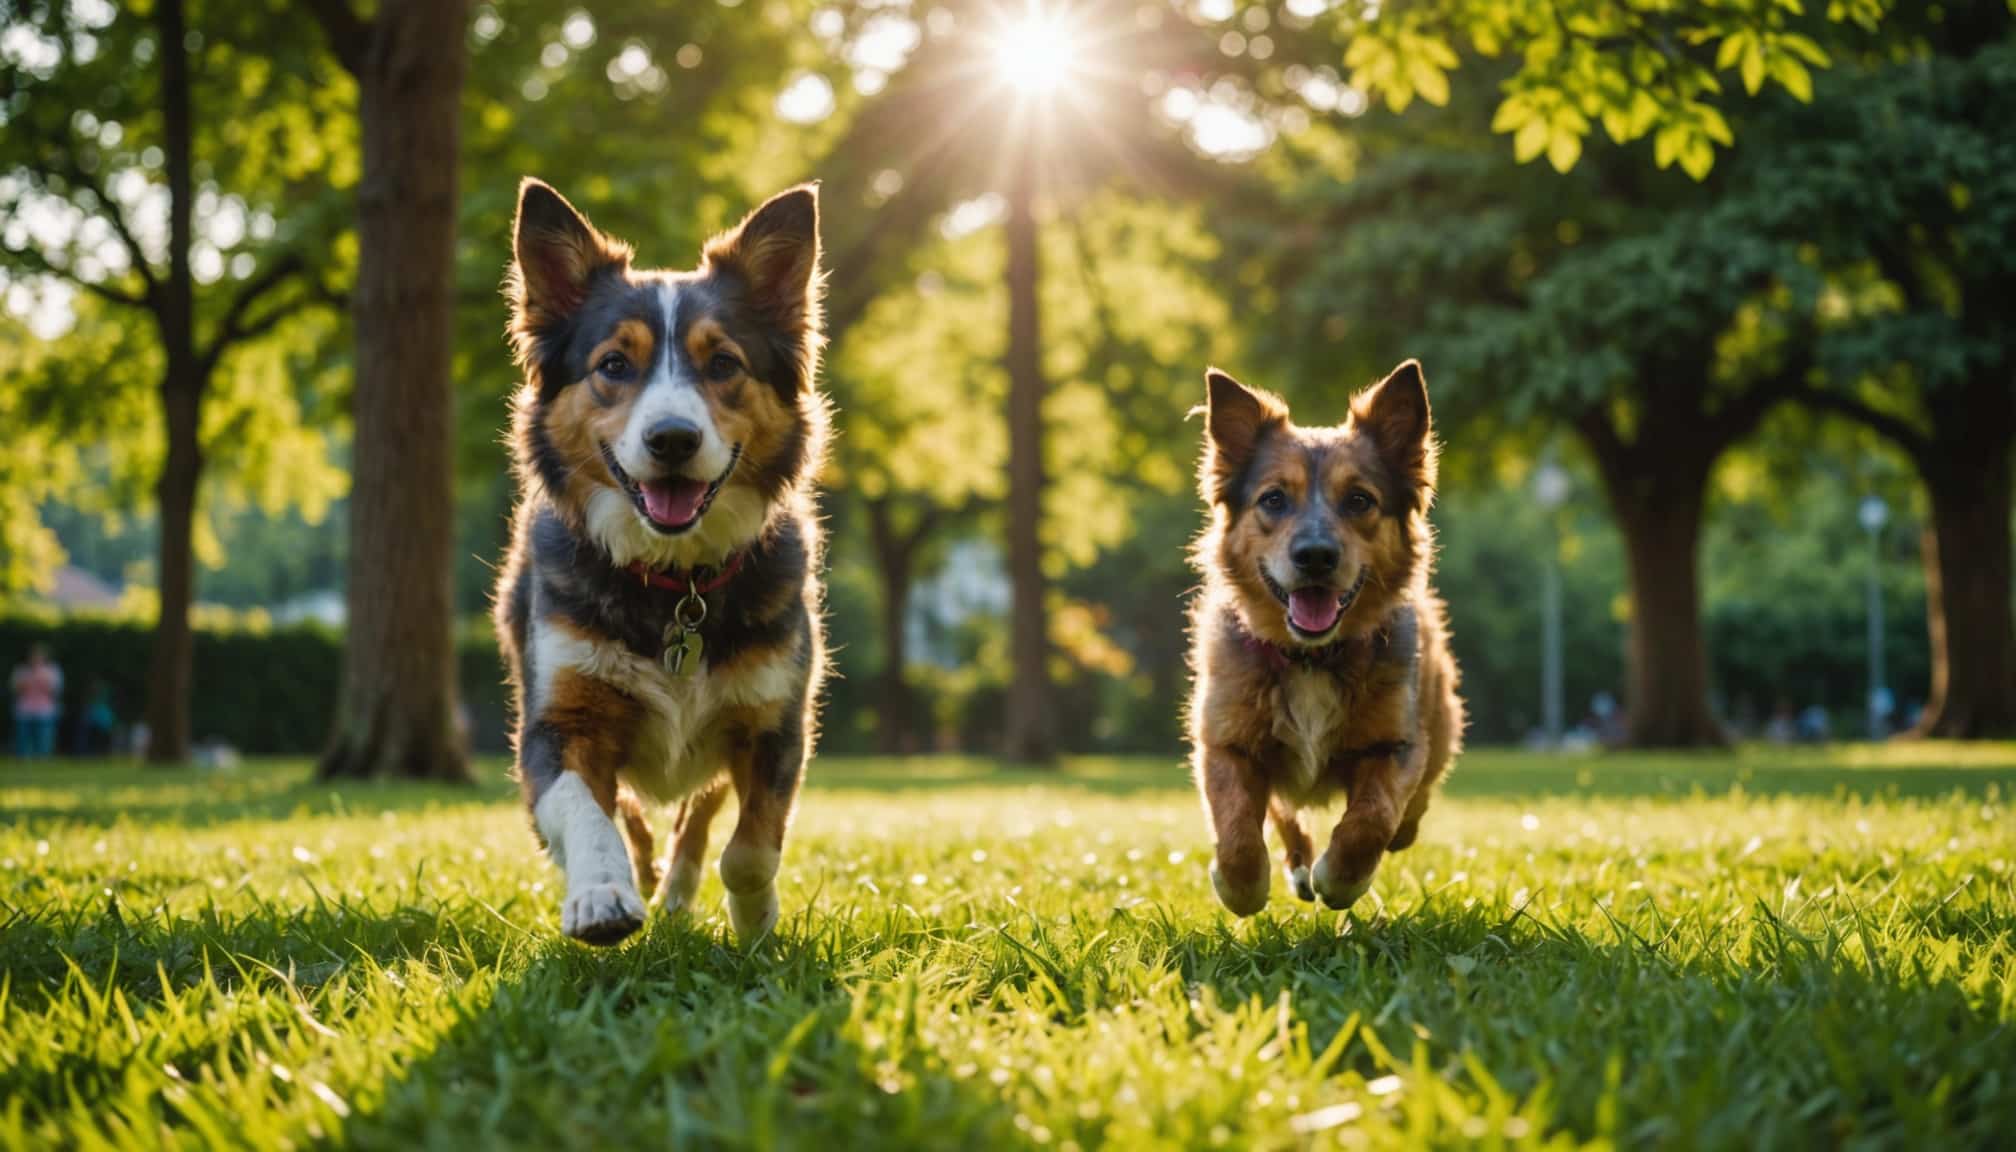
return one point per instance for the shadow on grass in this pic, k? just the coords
(1698, 1031)
(678, 1039)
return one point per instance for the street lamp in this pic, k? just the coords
(1874, 514)
(1550, 490)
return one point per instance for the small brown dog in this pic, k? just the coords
(1321, 654)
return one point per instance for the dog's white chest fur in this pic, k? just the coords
(679, 742)
(1310, 722)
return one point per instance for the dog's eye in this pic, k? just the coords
(1274, 500)
(723, 366)
(1358, 503)
(615, 366)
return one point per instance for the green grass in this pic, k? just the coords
(1781, 949)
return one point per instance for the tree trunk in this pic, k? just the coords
(1968, 572)
(171, 664)
(1031, 731)
(895, 552)
(397, 713)
(1658, 502)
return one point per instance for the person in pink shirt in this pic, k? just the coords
(38, 689)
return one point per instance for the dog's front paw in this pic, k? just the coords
(1239, 899)
(1338, 887)
(602, 914)
(754, 914)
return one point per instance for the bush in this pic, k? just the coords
(266, 692)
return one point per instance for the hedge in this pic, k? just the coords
(265, 692)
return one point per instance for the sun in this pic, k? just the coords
(1034, 53)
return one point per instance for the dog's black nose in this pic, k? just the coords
(1315, 557)
(672, 441)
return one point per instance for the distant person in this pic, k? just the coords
(1815, 726)
(38, 687)
(96, 726)
(1784, 725)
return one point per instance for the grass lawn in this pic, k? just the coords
(1778, 949)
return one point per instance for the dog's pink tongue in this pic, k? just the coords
(674, 503)
(1313, 610)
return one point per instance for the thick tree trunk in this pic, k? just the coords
(171, 665)
(1031, 728)
(1668, 696)
(171, 668)
(1968, 573)
(1658, 501)
(397, 713)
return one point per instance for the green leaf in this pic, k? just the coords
(1532, 140)
(1812, 53)
(1793, 75)
(1429, 81)
(1563, 149)
(1512, 112)
(1753, 68)
(1666, 146)
(1698, 157)
(1732, 48)
(1713, 125)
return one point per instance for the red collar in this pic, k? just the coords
(700, 581)
(1280, 659)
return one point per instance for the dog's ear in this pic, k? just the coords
(776, 251)
(1236, 420)
(1394, 412)
(556, 253)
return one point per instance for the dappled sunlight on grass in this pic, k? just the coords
(995, 958)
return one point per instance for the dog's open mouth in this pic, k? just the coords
(1314, 610)
(675, 504)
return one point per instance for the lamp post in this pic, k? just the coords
(1550, 490)
(1874, 514)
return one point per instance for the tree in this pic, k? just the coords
(1639, 70)
(1910, 176)
(396, 716)
(88, 177)
(919, 376)
(1039, 145)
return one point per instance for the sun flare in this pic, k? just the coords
(1034, 52)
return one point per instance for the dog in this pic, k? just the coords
(1320, 652)
(659, 613)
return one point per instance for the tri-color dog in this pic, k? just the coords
(660, 609)
(1321, 655)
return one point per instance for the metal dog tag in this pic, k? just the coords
(682, 654)
(682, 636)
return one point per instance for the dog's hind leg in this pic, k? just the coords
(1296, 851)
(684, 864)
(637, 835)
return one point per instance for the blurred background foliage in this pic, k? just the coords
(1736, 266)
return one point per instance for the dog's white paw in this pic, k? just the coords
(602, 914)
(1337, 892)
(682, 883)
(1237, 900)
(754, 914)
